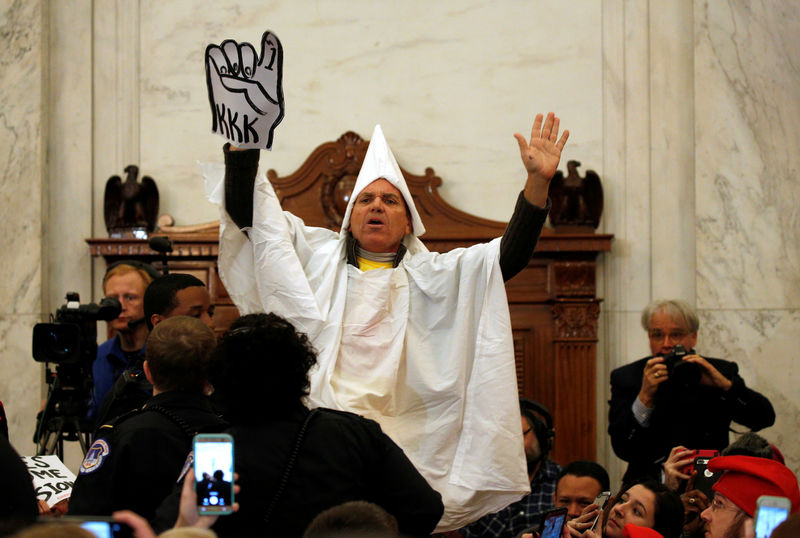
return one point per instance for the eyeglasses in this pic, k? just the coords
(717, 505)
(660, 336)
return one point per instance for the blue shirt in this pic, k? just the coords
(111, 361)
(521, 515)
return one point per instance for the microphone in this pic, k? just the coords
(162, 244)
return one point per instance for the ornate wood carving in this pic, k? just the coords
(552, 302)
(576, 320)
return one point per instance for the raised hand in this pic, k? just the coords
(245, 90)
(541, 156)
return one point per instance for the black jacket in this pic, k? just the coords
(697, 417)
(136, 460)
(343, 457)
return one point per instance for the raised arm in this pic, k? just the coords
(540, 156)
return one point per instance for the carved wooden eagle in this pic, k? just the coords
(577, 202)
(130, 205)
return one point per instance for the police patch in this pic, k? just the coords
(95, 457)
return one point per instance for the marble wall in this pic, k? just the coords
(674, 104)
(747, 131)
(23, 196)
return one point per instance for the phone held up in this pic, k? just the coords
(706, 454)
(553, 523)
(704, 478)
(600, 501)
(213, 473)
(770, 512)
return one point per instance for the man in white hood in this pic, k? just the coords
(422, 344)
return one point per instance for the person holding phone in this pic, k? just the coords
(676, 397)
(293, 462)
(647, 503)
(744, 479)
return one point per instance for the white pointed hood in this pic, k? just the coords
(380, 163)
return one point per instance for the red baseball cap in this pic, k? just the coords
(634, 531)
(746, 478)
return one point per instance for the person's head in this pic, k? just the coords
(744, 479)
(380, 218)
(177, 294)
(260, 368)
(537, 432)
(577, 485)
(126, 282)
(178, 354)
(646, 504)
(669, 323)
(749, 444)
(351, 519)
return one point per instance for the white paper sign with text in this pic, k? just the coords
(52, 481)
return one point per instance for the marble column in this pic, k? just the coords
(747, 98)
(22, 161)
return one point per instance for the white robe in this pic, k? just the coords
(424, 349)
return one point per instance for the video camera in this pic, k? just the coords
(69, 341)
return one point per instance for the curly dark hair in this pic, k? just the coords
(260, 368)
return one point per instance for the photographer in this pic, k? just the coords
(665, 400)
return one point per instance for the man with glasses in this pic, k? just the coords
(666, 400)
(744, 479)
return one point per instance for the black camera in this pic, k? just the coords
(71, 336)
(70, 342)
(681, 372)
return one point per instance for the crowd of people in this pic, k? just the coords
(369, 389)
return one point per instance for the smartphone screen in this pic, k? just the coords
(98, 526)
(553, 523)
(770, 513)
(600, 501)
(107, 529)
(213, 473)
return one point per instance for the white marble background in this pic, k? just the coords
(688, 110)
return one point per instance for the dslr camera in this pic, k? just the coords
(682, 373)
(68, 341)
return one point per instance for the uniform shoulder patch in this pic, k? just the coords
(95, 457)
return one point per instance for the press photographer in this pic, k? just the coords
(676, 396)
(68, 342)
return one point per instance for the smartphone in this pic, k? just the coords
(600, 501)
(99, 526)
(213, 473)
(707, 454)
(704, 478)
(553, 523)
(770, 512)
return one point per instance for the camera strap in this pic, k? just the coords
(289, 465)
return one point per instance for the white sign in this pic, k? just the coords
(52, 481)
(245, 90)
